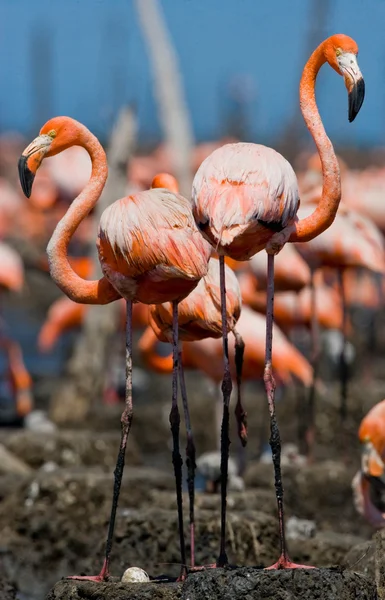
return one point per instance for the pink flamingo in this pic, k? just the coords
(245, 199)
(150, 251)
(372, 473)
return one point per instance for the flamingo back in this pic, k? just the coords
(199, 315)
(351, 241)
(150, 248)
(239, 188)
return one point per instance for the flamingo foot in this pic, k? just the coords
(103, 575)
(203, 568)
(97, 578)
(285, 563)
(183, 575)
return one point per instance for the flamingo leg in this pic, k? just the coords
(315, 357)
(240, 413)
(225, 442)
(126, 420)
(344, 374)
(190, 460)
(275, 442)
(175, 426)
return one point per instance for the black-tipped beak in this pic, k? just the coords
(356, 98)
(26, 176)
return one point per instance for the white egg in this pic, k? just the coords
(135, 575)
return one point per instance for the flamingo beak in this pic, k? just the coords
(30, 161)
(354, 82)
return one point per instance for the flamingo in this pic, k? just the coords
(200, 318)
(11, 269)
(206, 355)
(351, 241)
(371, 476)
(12, 279)
(150, 251)
(64, 314)
(293, 309)
(17, 376)
(245, 199)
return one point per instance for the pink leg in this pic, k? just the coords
(190, 460)
(275, 441)
(175, 425)
(225, 442)
(126, 420)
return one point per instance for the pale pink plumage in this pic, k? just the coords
(237, 186)
(150, 248)
(199, 315)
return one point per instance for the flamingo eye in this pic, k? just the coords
(52, 134)
(338, 52)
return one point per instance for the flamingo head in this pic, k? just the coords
(341, 53)
(56, 135)
(167, 181)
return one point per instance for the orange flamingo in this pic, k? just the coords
(64, 314)
(150, 251)
(17, 376)
(11, 269)
(245, 199)
(371, 476)
(206, 355)
(12, 279)
(200, 318)
(293, 309)
(351, 241)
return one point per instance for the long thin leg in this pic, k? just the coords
(175, 426)
(190, 459)
(344, 374)
(240, 413)
(126, 420)
(225, 442)
(275, 441)
(315, 356)
(218, 415)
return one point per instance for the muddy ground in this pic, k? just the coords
(55, 493)
(54, 515)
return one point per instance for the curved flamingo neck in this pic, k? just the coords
(326, 210)
(75, 287)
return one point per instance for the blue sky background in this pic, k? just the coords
(97, 63)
